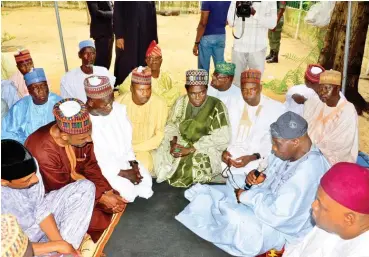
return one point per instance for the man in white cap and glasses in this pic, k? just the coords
(112, 137)
(251, 216)
(71, 84)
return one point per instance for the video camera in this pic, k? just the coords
(243, 9)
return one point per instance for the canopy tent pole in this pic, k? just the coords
(347, 46)
(61, 35)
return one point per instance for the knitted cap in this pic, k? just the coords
(251, 76)
(72, 116)
(141, 75)
(97, 87)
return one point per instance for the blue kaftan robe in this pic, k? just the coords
(25, 117)
(270, 214)
(71, 206)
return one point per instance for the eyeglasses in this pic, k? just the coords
(154, 58)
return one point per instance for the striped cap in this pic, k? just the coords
(197, 78)
(251, 76)
(22, 56)
(153, 49)
(97, 87)
(14, 241)
(141, 76)
(72, 116)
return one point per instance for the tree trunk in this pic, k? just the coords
(332, 54)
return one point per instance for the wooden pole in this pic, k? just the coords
(298, 21)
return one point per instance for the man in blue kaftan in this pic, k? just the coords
(31, 112)
(273, 212)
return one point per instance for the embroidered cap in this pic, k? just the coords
(289, 126)
(97, 87)
(22, 56)
(34, 76)
(197, 78)
(153, 49)
(251, 76)
(225, 68)
(330, 77)
(72, 116)
(141, 75)
(14, 241)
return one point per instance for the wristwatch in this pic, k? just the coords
(197, 43)
(257, 155)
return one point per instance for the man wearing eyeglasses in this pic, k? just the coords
(221, 85)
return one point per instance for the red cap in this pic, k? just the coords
(348, 184)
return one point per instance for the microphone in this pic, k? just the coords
(257, 174)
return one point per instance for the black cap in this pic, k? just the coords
(16, 161)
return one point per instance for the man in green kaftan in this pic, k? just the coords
(196, 134)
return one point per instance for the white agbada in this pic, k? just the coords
(302, 90)
(319, 243)
(251, 130)
(71, 84)
(228, 96)
(112, 137)
(333, 129)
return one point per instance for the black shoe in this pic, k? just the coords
(274, 58)
(270, 55)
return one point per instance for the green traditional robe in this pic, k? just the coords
(207, 129)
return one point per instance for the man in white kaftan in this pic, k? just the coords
(269, 215)
(23, 195)
(71, 84)
(250, 121)
(221, 85)
(112, 137)
(333, 121)
(341, 213)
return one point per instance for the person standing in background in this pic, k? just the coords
(135, 27)
(210, 37)
(250, 43)
(101, 30)
(275, 35)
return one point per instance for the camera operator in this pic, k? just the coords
(251, 35)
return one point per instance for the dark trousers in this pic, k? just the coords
(104, 51)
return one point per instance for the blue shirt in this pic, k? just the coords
(217, 16)
(25, 117)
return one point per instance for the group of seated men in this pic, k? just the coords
(69, 163)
